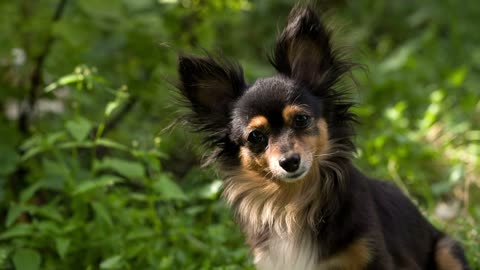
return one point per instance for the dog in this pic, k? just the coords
(285, 145)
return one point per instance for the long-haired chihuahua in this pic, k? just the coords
(284, 145)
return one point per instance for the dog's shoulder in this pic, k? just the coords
(392, 204)
(406, 232)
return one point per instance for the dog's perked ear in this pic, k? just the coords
(304, 52)
(210, 86)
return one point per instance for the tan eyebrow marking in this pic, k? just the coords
(290, 111)
(258, 121)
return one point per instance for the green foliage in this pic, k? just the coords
(92, 178)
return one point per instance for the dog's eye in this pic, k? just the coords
(257, 138)
(301, 121)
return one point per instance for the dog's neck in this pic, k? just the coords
(274, 207)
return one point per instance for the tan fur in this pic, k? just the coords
(320, 143)
(354, 257)
(258, 122)
(290, 111)
(309, 147)
(250, 161)
(261, 201)
(444, 258)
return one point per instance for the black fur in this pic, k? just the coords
(211, 87)
(309, 72)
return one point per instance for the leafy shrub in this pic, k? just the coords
(91, 178)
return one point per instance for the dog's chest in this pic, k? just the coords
(288, 253)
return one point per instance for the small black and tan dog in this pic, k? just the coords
(285, 145)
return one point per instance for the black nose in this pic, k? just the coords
(290, 163)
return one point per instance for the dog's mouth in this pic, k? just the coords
(291, 177)
(294, 177)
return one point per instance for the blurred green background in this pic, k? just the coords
(91, 177)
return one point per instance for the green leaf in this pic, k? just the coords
(167, 1)
(102, 213)
(27, 259)
(90, 185)
(27, 193)
(139, 5)
(168, 189)
(111, 106)
(32, 152)
(457, 77)
(112, 262)
(111, 144)
(20, 230)
(398, 58)
(8, 159)
(68, 79)
(70, 145)
(211, 190)
(33, 141)
(140, 233)
(49, 212)
(4, 256)
(130, 169)
(78, 128)
(38, 144)
(13, 213)
(62, 245)
(107, 9)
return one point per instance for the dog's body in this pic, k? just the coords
(284, 144)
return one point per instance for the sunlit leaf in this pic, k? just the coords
(111, 106)
(111, 144)
(68, 79)
(457, 77)
(114, 262)
(211, 190)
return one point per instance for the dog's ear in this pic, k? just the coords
(304, 52)
(210, 86)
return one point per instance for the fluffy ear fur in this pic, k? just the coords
(303, 51)
(210, 87)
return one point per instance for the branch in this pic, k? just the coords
(36, 79)
(17, 178)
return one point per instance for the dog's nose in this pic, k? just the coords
(290, 163)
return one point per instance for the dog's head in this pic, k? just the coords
(279, 127)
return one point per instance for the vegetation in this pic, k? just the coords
(92, 178)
